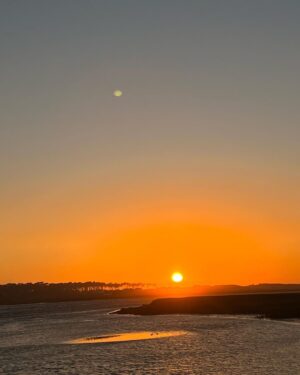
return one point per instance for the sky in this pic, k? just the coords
(195, 168)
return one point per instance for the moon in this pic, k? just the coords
(118, 93)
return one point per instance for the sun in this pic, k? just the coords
(177, 277)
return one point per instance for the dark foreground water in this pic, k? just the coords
(59, 339)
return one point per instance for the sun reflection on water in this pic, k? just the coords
(132, 336)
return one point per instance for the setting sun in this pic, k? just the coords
(177, 277)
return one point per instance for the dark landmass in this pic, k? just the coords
(80, 291)
(274, 306)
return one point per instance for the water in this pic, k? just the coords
(34, 341)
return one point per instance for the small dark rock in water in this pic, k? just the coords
(273, 306)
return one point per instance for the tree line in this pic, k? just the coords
(14, 293)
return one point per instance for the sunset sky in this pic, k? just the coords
(195, 168)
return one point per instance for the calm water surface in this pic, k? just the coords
(39, 340)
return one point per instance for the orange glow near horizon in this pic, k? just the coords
(213, 243)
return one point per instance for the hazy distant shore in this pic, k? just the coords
(12, 294)
(274, 306)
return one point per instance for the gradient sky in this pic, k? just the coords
(195, 168)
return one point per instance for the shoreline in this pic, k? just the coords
(271, 306)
